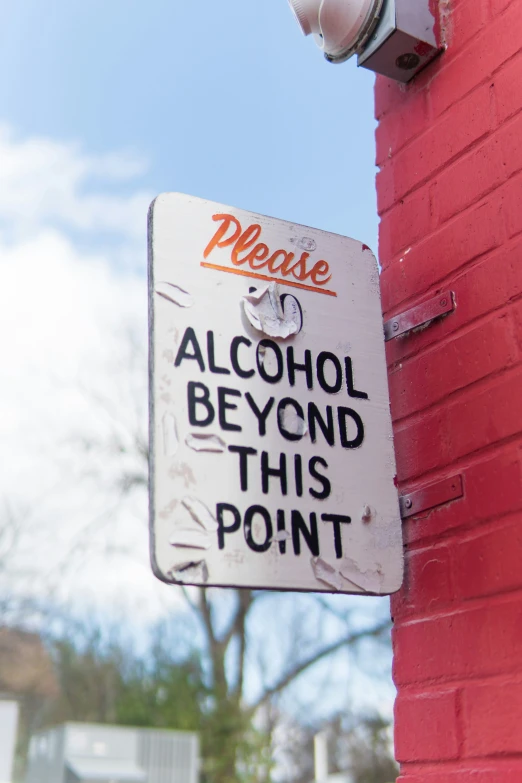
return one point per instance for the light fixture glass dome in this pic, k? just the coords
(340, 27)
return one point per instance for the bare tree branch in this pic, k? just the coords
(299, 668)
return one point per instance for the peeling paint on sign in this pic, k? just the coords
(203, 442)
(327, 574)
(193, 539)
(304, 243)
(174, 294)
(292, 422)
(369, 579)
(190, 572)
(265, 311)
(200, 513)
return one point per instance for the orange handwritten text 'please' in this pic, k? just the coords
(253, 258)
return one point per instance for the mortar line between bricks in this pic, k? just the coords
(471, 607)
(444, 165)
(465, 765)
(419, 688)
(484, 196)
(453, 397)
(430, 476)
(442, 282)
(494, 380)
(481, 200)
(471, 602)
(461, 463)
(436, 118)
(466, 326)
(444, 62)
(453, 276)
(433, 172)
(459, 532)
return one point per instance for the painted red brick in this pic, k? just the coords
(498, 6)
(492, 490)
(474, 421)
(472, 176)
(480, 289)
(392, 137)
(393, 96)
(488, 348)
(471, 643)
(513, 206)
(450, 199)
(461, 240)
(493, 716)
(469, 17)
(509, 138)
(428, 727)
(499, 774)
(455, 132)
(427, 585)
(507, 89)
(516, 310)
(408, 222)
(497, 43)
(488, 564)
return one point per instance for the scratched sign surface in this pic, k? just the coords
(272, 462)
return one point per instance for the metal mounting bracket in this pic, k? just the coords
(419, 316)
(431, 496)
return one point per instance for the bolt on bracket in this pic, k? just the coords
(420, 315)
(431, 496)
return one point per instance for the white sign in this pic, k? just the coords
(272, 462)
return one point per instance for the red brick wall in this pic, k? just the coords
(449, 149)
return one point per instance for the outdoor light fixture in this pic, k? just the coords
(394, 37)
(340, 27)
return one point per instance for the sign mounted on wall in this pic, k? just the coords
(272, 462)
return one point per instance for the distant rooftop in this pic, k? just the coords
(25, 665)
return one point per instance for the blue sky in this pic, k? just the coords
(105, 104)
(226, 101)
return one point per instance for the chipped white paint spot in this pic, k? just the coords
(304, 243)
(326, 573)
(170, 435)
(204, 442)
(291, 422)
(369, 580)
(266, 313)
(367, 514)
(190, 572)
(200, 513)
(283, 535)
(174, 294)
(194, 539)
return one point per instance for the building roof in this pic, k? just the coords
(90, 769)
(25, 665)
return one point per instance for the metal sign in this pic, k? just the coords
(272, 462)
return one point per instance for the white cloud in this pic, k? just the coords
(45, 183)
(72, 381)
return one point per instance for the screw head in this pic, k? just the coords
(443, 302)
(409, 503)
(408, 61)
(395, 326)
